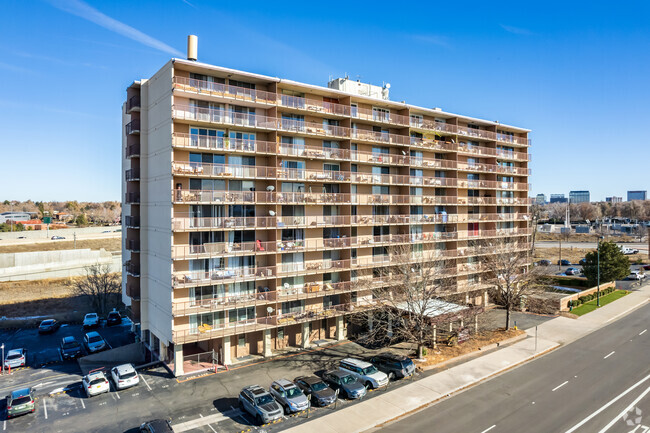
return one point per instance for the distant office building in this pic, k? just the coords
(540, 199)
(614, 199)
(557, 198)
(14, 216)
(637, 195)
(579, 197)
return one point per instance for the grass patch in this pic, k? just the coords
(604, 300)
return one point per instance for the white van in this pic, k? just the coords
(365, 372)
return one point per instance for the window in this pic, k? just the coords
(416, 190)
(203, 137)
(292, 187)
(207, 320)
(417, 120)
(331, 144)
(380, 114)
(293, 99)
(416, 157)
(354, 110)
(293, 307)
(243, 84)
(241, 315)
(293, 122)
(331, 167)
(241, 341)
(380, 189)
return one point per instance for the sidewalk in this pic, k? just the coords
(389, 405)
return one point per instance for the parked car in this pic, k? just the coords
(394, 365)
(544, 262)
(22, 237)
(628, 250)
(20, 402)
(156, 426)
(367, 373)
(95, 383)
(583, 262)
(635, 275)
(56, 238)
(260, 404)
(347, 385)
(48, 326)
(16, 358)
(646, 267)
(321, 394)
(290, 397)
(70, 348)
(124, 376)
(94, 342)
(573, 271)
(91, 320)
(113, 318)
(564, 263)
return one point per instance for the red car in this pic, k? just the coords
(646, 267)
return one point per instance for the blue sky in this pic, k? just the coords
(576, 73)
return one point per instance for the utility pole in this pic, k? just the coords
(598, 273)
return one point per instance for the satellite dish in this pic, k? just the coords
(272, 213)
(269, 310)
(388, 85)
(286, 285)
(270, 188)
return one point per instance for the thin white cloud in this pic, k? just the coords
(14, 68)
(516, 30)
(432, 39)
(189, 4)
(87, 12)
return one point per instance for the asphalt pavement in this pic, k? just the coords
(585, 386)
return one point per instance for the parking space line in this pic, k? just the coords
(82, 403)
(488, 429)
(145, 382)
(45, 407)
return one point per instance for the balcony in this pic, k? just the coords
(133, 104)
(492, 152)
(314, 105)
(133, 151)
(132, 174)
(218, 276)
(133, 288)
(202, 142)
(490, 184)
(232, 93)
(380, 117)
(133, 245)
(133, 127)
(491, 168)
(132, 269)
(132, 222)
(132, 198)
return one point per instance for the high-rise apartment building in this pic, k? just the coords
(579, 197)
(637, 195)
(254, 205)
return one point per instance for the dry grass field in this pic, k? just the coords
(575, 254)
(109, 244)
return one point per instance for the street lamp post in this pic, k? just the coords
(598, 273)
(3, 358)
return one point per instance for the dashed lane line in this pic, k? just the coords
(609, 354)
(488, 429)
(559, 386)
(643, 332)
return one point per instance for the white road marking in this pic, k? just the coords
(117, 394)
(608, 404)
(82, 403)
(145, 382)
(489, 428)
(4, 425)
(643, 332)
(45, 407)
(609, 354)
(202, 421)
(212, 428)
(559, 386)
(626, 410)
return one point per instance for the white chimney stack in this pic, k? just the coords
(192, 47)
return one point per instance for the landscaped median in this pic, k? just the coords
(590, 302)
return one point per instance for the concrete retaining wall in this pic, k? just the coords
(134, 353)
(564, 302)
(53, 264)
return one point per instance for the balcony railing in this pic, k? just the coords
(321, 107)
(132, 174)
(133, 245)
(132, 268)
(133, 127)
(491, 168)
(132, 222)
(133, 103)
(132, 198)
(490, 184)
(489, 151)
(133, 150)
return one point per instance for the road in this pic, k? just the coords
(555, 244)
(586, 386)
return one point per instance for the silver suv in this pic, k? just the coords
(289, 396)
(365, 372)
(258, 402)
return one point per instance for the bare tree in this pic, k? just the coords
(408, 305)
(508, 273)
(101, 286)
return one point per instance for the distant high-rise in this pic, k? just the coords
(579, 197)
(614, 199)
(540, 199)
(557, 198)
(637, 195)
